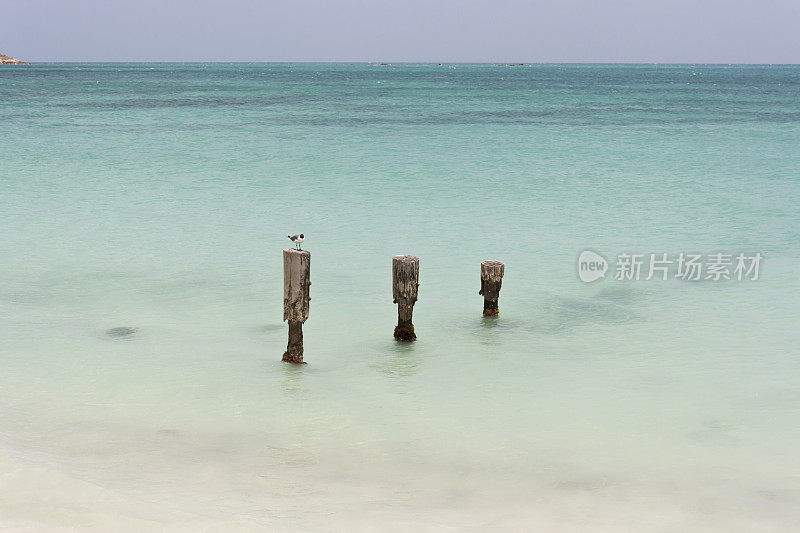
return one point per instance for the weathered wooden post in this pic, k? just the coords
(491, 281)
(296, 299)
(405, 285)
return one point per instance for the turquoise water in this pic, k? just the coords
(158, 197)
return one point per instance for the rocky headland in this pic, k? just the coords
(5, 60)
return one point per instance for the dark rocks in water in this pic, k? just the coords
(619, 295)
(121, 332)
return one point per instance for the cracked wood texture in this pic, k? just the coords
(405, 287)
(296, 299)
(491, 281)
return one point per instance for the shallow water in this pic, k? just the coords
(157, 197)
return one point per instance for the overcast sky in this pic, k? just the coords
(685, 31)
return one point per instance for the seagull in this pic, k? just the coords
(297, 240)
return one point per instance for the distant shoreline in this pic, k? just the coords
(6, 60)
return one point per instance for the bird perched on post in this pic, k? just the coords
(297, 240)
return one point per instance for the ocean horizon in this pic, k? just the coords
(379, 62)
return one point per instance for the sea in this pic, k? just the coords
(144, 208)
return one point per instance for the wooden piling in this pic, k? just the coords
(296, 299)
(491, 281)
(405, 286)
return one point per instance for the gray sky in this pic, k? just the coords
(712, 31)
